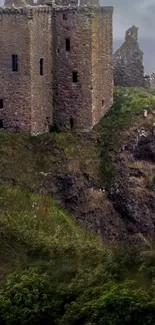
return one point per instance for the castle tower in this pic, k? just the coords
(55, 64)
(82, 65)
(25, 69)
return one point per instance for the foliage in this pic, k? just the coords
(53, 272)
(126, 112)
(112, 304)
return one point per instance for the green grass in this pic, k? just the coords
(34, 229)
(34, 162)
(125, 114)
(54, 272)
(51, 270)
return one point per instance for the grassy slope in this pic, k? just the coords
(34, 161)
(125, 116)
(32, 221)
(34, 230)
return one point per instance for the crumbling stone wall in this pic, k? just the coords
(79, 105)
(128, 61)
(147, 81)
(152, 81)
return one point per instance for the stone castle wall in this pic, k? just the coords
(41, 85)
(79, 105)
(75, 46)
(15, 87)
(102, 72)
(27, 96)
(73, 100)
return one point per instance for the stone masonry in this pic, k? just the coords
(55, 65)
(128, 61)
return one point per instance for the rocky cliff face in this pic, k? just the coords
(105, 179)
(128, 61)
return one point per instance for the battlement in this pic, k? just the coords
(28, 10)
(107, 9)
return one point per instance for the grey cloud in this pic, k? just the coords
(138, 12)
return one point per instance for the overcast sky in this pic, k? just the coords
(133, 12)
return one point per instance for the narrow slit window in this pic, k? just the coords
(41, 67)
(1, 124)
(102, 102)
(14, 62)
(1, 103)
(65, 17)
(75, 76)
(67, 45)
(71, 123)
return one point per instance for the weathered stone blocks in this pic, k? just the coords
(55, 65)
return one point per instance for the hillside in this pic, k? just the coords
(104, 179)
(53, 270)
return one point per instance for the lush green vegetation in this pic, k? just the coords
(53, 272)
(126, 114)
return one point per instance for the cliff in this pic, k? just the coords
(105, 179)
(52, 270)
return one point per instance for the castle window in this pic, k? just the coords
(41, 67)
(67, 45)
(71, 121)
(65, 17)
(102, 102)
(75, 76)
(1, 124)
(1, 103)
(14, 62)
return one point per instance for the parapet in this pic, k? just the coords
(29, 11)
(89, 9)
(65, 3)
(15, 3)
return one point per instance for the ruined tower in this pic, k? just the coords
(128, 61)
(55, 64)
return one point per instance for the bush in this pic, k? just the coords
(30, 298)
(112, 304)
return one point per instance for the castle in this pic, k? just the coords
(55, 64)
(128, 61)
